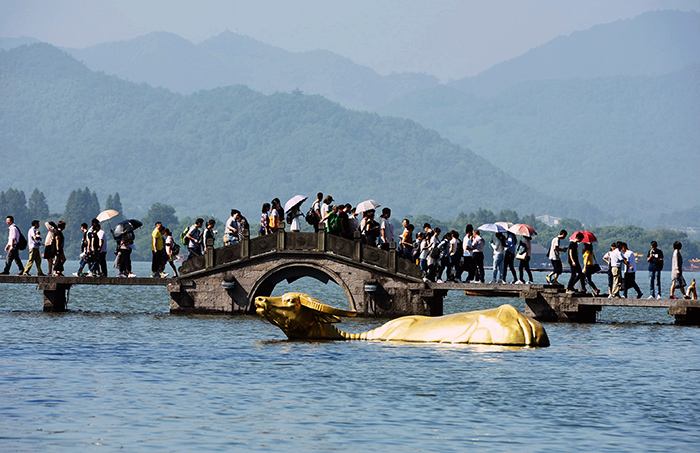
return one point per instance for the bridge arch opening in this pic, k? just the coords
(308, 278)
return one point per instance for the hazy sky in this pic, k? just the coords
(447, 38)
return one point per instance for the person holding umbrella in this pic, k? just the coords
(293, 209)
(575, 265)
(590, 266)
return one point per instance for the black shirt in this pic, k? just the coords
(572, 254)
(656, 263)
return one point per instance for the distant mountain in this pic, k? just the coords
(167, 60)
(64, 126)
(622, 143)
(11, 43)
(652, 43)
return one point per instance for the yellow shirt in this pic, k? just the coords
(158, 239)
(587, 258)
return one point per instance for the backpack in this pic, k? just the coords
(22, 241)
(175, 249)
(435, 252)
(333, 224)
(184, 240)
(289, 217)
(312, 217)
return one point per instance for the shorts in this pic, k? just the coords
(556, 265)
(679, 281)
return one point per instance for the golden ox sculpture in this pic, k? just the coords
(301, 317)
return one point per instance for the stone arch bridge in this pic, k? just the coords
(376, 282)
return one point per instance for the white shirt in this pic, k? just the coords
(453, 246)
(101, 237)
(434, 241)
(554, 249)
(325, 209)
(388, 231)
(466, 243)
(676, 263)
(31, 238)
(13, 235)
(295, 226)
(231, 225)
(478, 243)
(631, 261)
(424, 249)
(498, 248)
(615, 258)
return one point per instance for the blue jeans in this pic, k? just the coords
(655, 275)
(498, 267)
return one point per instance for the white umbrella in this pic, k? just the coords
(107, 214)
(293, 202)
(492, 228)
(505, 225)
(367, 205)
(522, 229)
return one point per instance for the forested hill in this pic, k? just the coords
(64, 127)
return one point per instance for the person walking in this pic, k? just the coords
(386, 229)
(34, 244)
(12, 247)
(590, 267)
(468, 253)
(555, 249)
(231, 230)
(630, 271)
(453, 269)
(83, 251)
(677, 280)
(655, 258)
(171, 249)
(49, 248)
(209, 233)
(98, 249)
(314, 215)
(478, 254)
(370, 228)
(193, 238)
(406, 240)
(575, 265)
(124, 248)
(606, 258)
(158, 256)
(616, 260)
(499, 251)
(509, 258)
(523, 255)
(60, 244)
(264, 220)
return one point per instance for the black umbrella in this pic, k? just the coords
(127, 226)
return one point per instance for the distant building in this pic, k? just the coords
(549, 220)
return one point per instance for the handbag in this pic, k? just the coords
(595, 268)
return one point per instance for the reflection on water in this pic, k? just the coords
(119, 372)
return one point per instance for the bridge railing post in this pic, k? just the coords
(209, 253)
(245, 244)
(392, 264)
(321, 240)
(280, 239)
(357, 246)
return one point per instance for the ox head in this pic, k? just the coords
(299, 315)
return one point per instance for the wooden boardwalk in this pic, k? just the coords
(552, 303)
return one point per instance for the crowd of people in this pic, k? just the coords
(440, 256)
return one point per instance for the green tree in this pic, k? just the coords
(161, 212)
(37, 206)
(82, 206)
(13, 202)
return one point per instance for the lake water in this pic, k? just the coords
(118, 372)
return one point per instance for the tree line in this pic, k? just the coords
(83, 205)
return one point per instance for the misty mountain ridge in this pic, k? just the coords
(619, 142)
(213, 150)
(652, 43)
(170, 61)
